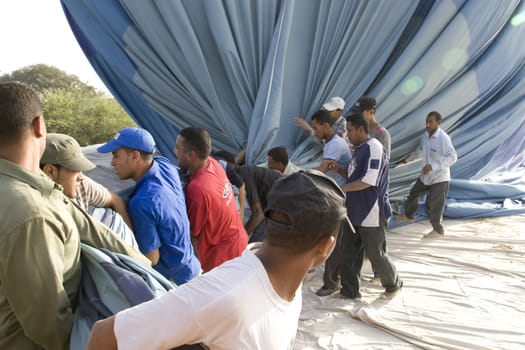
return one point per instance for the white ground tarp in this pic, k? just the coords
(463, 291)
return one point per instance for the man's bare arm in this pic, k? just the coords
(102, 336)
(120, 207)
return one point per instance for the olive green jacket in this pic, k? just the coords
(40, 272)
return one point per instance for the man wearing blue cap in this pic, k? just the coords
(156, 205)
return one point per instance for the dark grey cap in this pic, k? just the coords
(312, 201)
(362, 104)
(65, 151)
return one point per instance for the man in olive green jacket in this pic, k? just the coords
(40, 233)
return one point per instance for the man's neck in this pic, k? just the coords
(329, 137)
(23, 154)
(197, 165)
(285, 272)
(142, 170)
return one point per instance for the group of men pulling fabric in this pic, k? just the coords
(228, 296)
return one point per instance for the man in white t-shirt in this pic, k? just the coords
(253, 301)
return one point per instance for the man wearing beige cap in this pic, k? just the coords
(64, 162)
(334, 106)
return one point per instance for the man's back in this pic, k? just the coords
(220, 319)
(213, 216)
(158, 212)
(258, 181)
(34, 233)
(40, 233)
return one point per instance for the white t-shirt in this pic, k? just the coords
(233, 306)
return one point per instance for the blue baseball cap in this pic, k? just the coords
(132, 138)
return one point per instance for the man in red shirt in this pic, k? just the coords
(215, 225)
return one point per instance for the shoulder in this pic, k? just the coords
(443, 134)
(89, 183)
(383, 130)
(336, 142)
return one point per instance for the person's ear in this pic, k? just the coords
(326, 246)
(135, 155)
(39, 126)
(51, 171)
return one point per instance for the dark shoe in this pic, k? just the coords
(325, 291)
(391, 293)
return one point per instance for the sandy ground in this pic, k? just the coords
(463, 291)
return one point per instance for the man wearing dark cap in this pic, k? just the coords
(366, 105)
(64, 162)
(254, 301)
(156, 204)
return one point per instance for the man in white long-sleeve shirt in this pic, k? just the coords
(438, 156)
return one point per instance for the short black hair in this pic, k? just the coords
(19, 106)
(358, 120)
(197, 140)
(436, 115)
(279, 154)
(323, 116)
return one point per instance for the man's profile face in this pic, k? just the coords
(181, 154)
(353, 134)
(68, 179)
(318, 129)
(122, 163)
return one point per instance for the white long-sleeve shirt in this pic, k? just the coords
(439, 152)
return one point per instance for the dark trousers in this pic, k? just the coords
(437, 195)
(369, 240)
(332, 265)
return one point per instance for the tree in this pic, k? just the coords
(73, 107)
(43, 77)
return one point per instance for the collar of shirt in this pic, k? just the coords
(435, 134)
(153, 171)
(39, 181)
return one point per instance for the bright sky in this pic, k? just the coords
(36, 31)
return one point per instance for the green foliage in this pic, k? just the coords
(43, 77)
(73, 107)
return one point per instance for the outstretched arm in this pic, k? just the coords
(303, 124)
(102, 336)
(120, 207)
